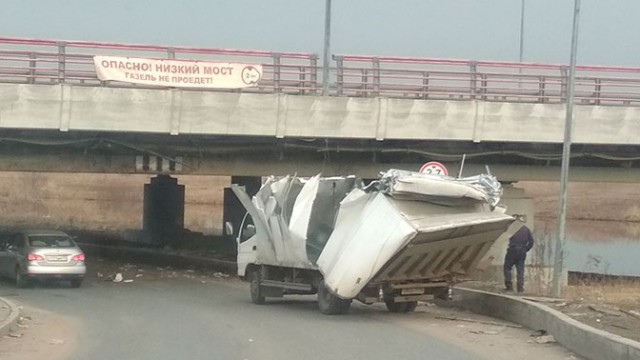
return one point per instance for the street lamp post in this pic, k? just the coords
(327, 47)
(566, 152)
(521, 43)
(521, 31)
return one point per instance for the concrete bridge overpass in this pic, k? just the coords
(56, 115)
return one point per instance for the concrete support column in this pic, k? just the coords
(163, 212)
(233, 211)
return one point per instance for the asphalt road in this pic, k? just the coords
(193, 316)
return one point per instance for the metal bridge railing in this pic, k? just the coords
(450, 79)
(35, 61)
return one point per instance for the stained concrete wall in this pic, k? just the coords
(100, 201)
(490, 267)
(195, 112)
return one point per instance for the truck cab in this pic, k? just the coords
(246, 242)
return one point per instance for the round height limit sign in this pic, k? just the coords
(434, 168)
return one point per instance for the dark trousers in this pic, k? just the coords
(515, 257)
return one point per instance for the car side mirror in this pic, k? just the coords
(228, 228)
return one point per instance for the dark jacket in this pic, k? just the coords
(521, 240)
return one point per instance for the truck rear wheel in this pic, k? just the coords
(256, 289)
(411, 306)
(330, 304)
(399, 307)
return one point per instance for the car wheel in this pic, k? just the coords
(76, 283)
(21, 282)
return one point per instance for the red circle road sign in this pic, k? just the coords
(434, 168)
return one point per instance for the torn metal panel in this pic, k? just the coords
(443, 190)
(331, 191)
(364, 239)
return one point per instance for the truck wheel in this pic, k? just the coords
(396, 307)
(399, 307)
(411, 306)
(330, 304)
(442, 294)
(256, 289)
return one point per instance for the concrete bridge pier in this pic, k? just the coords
(163, 209)
(233, 211)
(490, 268)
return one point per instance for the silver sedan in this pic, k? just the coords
(41, 254)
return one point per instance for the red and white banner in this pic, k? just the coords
(176, 73)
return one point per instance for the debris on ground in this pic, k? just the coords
(486, 322)
(56, 342)
(487, 332)
(631, 313)
(545, 339)
(544, 299)
(539, 333)
(603, 310)
(118, 278)
(613, 307)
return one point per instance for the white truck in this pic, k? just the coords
(404, 238)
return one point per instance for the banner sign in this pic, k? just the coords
(176, 73)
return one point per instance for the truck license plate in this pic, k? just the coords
(412, 291)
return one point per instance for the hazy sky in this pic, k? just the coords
(470, 29)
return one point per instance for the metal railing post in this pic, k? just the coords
(301, 79)
(564, 75)
(541, 86)
(364, 83)
(313, 77)
(598, 91)
(276, 73)
(339, 75)
(376, 77)
(61, 61)
(425, 85)
(483, 87)
(171, 53)
(473, 71)
(32, 68)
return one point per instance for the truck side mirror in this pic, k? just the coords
(228, 228)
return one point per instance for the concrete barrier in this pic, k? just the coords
(158, 258)
(11, 319)
(582, 339)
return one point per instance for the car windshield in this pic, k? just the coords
(41, 241)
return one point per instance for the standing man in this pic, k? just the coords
(519, 244)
